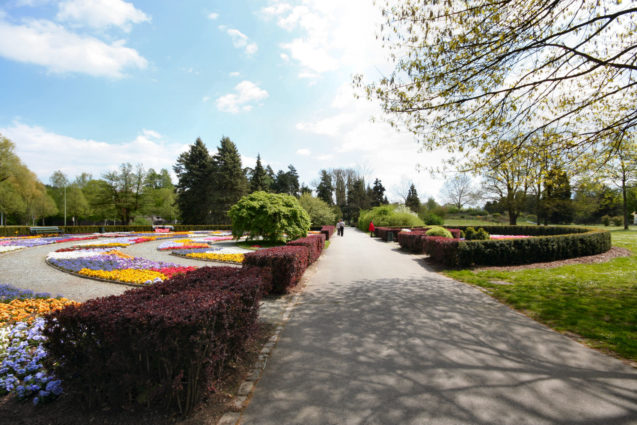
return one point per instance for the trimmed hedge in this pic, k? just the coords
(412, 241)
(158, 346)
(285, 263)
(328, 231)
(557, 246)
(314, 243)
(383, 232)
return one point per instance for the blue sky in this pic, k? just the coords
(89, 84)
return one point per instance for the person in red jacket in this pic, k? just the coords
(371, 229)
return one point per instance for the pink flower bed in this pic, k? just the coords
(509, 236)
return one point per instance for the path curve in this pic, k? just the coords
(377, 338)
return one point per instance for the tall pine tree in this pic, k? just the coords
(229, 181)
(412, 201)
(193, 170)
(259, 177)
(378, 194)
(325, 190)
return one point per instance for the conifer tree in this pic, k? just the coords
(325, 190)
(259, 177)
(378, 194)
(229, 182)
(193, 170)
(412, 201)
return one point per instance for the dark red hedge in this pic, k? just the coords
(286, 264)
(158, 346)
(314, 243)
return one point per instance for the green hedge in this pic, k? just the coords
(557, 245)
(24, 230)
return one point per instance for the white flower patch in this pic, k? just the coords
(76, 254)
(10, 248)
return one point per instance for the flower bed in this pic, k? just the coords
(232, 255)
(114, 266)
(21, 344)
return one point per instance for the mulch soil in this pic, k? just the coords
(66, 411)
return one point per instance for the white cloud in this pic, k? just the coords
(304, 152)
(101, 13)
(50, 45)
(213, 16)
(240, 40)
(390, 155)
(45, 152)
(329, 34)
(234, 74)
(246, 93)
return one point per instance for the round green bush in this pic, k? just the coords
(388, 216)
(270, 216)
(439, 231)
(432, 219)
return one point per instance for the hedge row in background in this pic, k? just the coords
(287, 263)
(556, 246)
(328, 231)
(314, 244)
(417, 232)
(159, 346)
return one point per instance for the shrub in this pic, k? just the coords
(471, 234)
(439, 231)
(286, 265)
(618, 220)
(314, 244)
(432, 219)
(269, 215)
(388, 216)
(157, 346)
(606, 220)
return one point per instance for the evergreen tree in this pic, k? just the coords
(325, 190)
(412, 201)
(378, 194)
(229, 182)
(193, 173)
(259, 177)
(270, 178)
(356, 199)
(305, 190)
(556, 205)
(293, 181)
(340, 189)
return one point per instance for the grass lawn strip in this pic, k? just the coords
(597, 302)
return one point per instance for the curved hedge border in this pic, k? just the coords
(549, 244)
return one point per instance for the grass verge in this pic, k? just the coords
(597, 302)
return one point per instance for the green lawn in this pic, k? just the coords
(595, 301)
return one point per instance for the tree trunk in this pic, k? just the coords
(625, 200)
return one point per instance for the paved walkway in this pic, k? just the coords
(379, 339)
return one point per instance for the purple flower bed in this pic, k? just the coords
(108, 262)
(9, 293)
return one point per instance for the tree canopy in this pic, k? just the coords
(468, 74)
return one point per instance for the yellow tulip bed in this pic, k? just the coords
(27, 310)
(134, 276)
(211, 256)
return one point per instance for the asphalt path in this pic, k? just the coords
(378, 338)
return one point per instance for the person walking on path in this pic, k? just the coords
(340, 227)
(371, 229)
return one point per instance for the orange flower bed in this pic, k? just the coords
(27, 310)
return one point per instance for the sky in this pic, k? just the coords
(86, 85)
